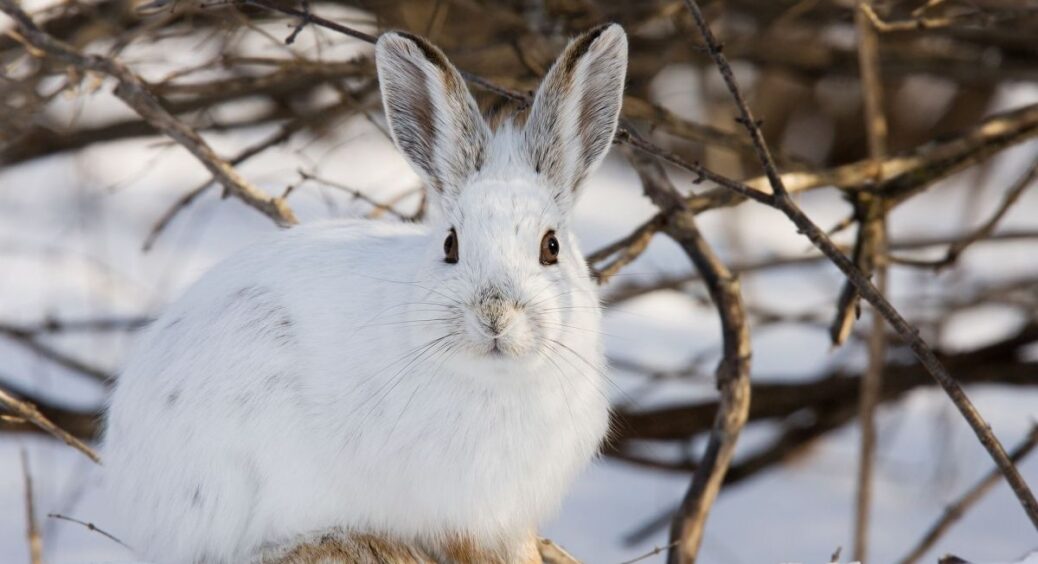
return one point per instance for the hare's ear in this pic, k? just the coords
(433, 119)
(575, 111)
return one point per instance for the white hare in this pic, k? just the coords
(436, 385)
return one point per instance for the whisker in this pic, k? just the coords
(549, 344)
(393, 381)
(599, 371)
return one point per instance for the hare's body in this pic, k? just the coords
(437, 386)
(351, 417)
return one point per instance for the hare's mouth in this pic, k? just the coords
(501, 338)
(500, 348)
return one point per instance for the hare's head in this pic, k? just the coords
(503, 261)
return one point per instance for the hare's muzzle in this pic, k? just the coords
(498, 326)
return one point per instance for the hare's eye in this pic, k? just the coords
(549, 249)
(450, 247)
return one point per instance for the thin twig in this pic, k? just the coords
(32, 529)
(302, 23)
(956, 510)
(356, 194)
(89, 526)
(982, 232)
(30, 413)
(651, 553)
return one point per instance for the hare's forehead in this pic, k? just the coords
(514, 204)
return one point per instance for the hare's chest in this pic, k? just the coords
(458, 460)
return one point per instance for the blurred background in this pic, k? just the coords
(104, 220)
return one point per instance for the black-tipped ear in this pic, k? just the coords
(433, 119)
(575, 112)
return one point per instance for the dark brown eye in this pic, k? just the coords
(450, 247)
(549, 249)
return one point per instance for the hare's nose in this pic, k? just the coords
(495, 312)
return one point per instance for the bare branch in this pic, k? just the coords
(871, 250)
(733, 373)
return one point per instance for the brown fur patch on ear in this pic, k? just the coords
(435, 56)
(579, 47)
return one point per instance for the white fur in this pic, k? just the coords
(341, 376)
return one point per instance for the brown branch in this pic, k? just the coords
(30, 413)
(871, 388)
(870, 212)
(782, 201)
(626, 250)
(132, 90)
(733, 372)
(903, 175)
(873, 241)
(923, 24)
(956, 510)
(32, 529)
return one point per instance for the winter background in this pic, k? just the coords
(72, 227)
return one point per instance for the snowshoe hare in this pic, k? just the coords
(430, 389)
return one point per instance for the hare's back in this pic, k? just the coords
(215, 392)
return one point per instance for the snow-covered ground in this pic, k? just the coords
(71, 230)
